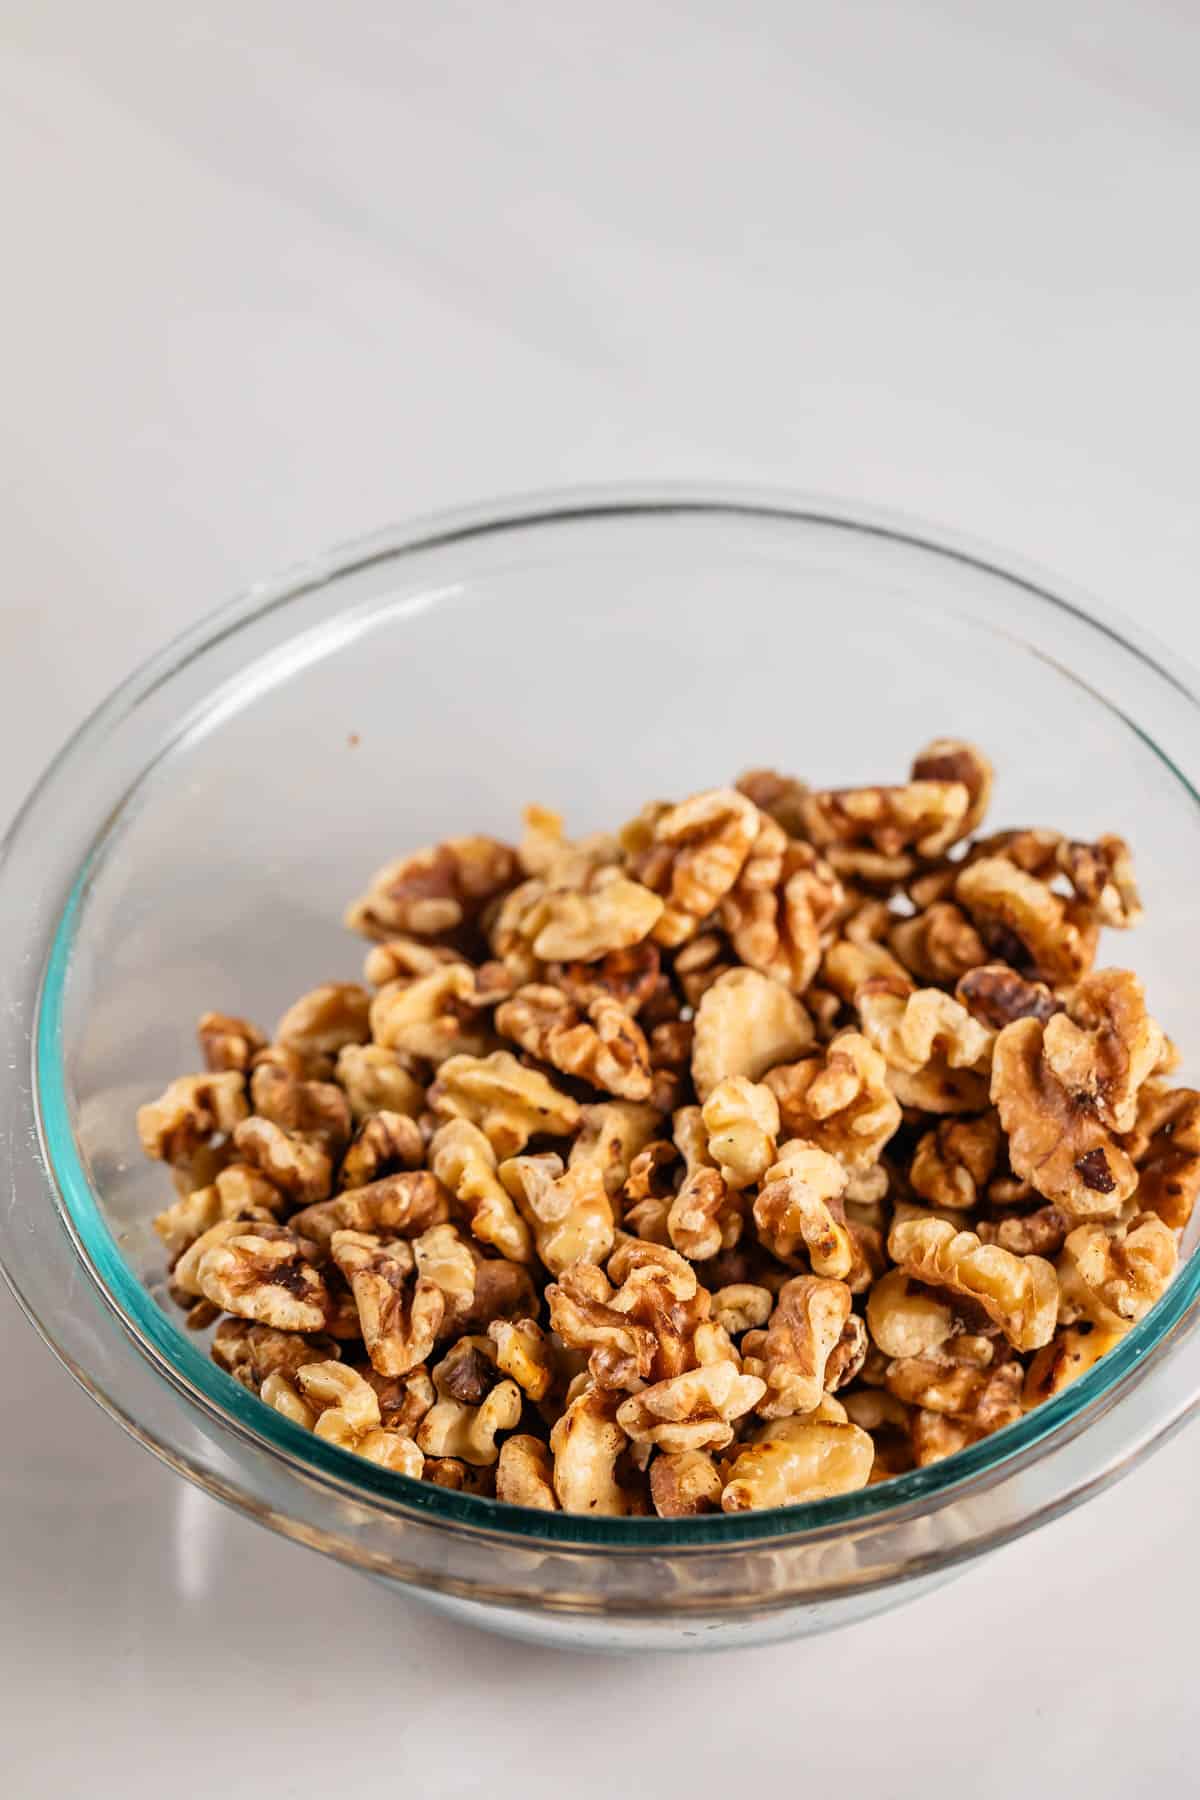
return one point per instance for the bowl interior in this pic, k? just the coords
(590, 660)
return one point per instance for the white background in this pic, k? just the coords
(279, 271)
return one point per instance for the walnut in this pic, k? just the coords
(567, 1210)
(585, 1444)
(649, 1191)
(400, 1205)
(704, 1216)
(238, 1192)
(228, 1043)
(251, 1352)
(434, 1017)
(189, 1113)
(612, 1136)
(403, 1399)
(376, 1080)
(684, 1483)
(692, 855)
(405, 959)
(779, 796)
(1024, 922)
(461, 1157)
(384, 1144)
(839, 1101)
(1168, 1158)
(610, 914)
(322, 1021)
(1114, 1278)
(503, 1290)
(315, 1109)
(808, 1456)
(934, 1436)
(691, 1411)
(1042, 1232)
(906, 1319)
(524, 1352)
(583, 1314)
(799, 1206)
(452, 1472)
(508, 1102)
(525, 1473)
(435, 891)
(671, 1046)
(700, 962)
(400, 1313)
(888, 1421)
(1019, 1293)
(445, 1258)
(811, 1319)
(1055, 1140)
(741, 1122)
(658, 1288)
(746, 1024)
(849, 966)
(343, 1409)
(633, 977)
(607, 1048)
(953, 1163)
(467, 1428)
(952, 759)
(260, 1272)
(995, 995)
(878, 831)
(299, 1165)
(958, 1378)
(1103, 879)
(937, 1055)
(1104, 1046)
(781, 906)
(1071, 1352)
(939, 944)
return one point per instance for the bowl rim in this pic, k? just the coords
(203, 1385)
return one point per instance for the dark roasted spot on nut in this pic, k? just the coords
(1095, 1172)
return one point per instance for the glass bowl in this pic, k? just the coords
(195, 843)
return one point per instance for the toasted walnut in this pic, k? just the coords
(906, 1319)
(649, 1191)
(567, 1210)
(383, 1145)
(1054, 1141)
(691, 1411)
(741, 1306)
(238, 1192)
(704, 1216)
(315, 1109)
(189, 1113)
(888, 1421)
(956, 1378)
(1019, 1293)
(398, 1206)
(466, 1428)
(611, 913)
(613, 1134)
(228, 1043)
(400, 1313)
(343, 1408)
(849, 966)
(462, 1158)
(299, 1165)
(684, 1483)
(741, 1122)
(810, 1320)
(953, 759)
(658, 1288)
(1102, 877)
(434, 891)
(261, 1273)
(700, 962)
(451, 1472)
(632, 977)
(779, 796)
(251, 1352)
(403, 1399)
(434, 1017)
(839, 1101)
(746, 1024)
(781, 906)
(937, 1054)
(1071, 1352)
(584, 1316)
(935, 1436)
(405, 959)
(525, 1474)
(671, 1045)
(607, 1048)
(322, 1021)
(446, 1259)
(376, 1080)
(896, 824)
(524, 1352)
(1168, 1157)
(508, 1102)
(1042, 1232)
(799, 1206)
(1114, 1277)
(995, 995)
(1024, 922)
(586, 1443)
(692, 854)
(939, 944)
(954, 1163)
(1104, 1046)
(808, 1456)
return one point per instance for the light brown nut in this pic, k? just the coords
(462, 1158)
(445, 1258)
(649, 1191)
(585, 1444)
(261, 1273)
(692, 854)
(923, 817)
(400, 1314)
(281, 1394)
(384, 1144)
(1071, 1158)
(607, 1048)
(451, 1472)
(325, 1019)
(810, 1318)
(458, 1428)
(1114, 1276)
(934, 1436)
(704, 1217)
(906, 1319)
(691, 1411)
(434, 891)
(937, 1055)
(403, 1399)
(525, 1473)
(684, 1483)
(995, 995)
(508, 1102)
(189, 1113)
(1104, 1046)
(939, 944)
(228, 1043)
(671, 1046)
(503, 1290)
(781, 907)
(400, 1205)
(567, 1210)
(316, 1109)
(839, 1101)
(1103, 879)
(434, 1016)
(1019, 1293)
(805, 1457)
(237, 1192)
(799, 1206)
(779, 796)
(889, 1423)
(741, 1124)
(467, 1373)
(524, 1352)
(700, 962)
(1022, 921)
(953, 759)
(1168, 1153)
(1042, 1232)
(633, 977)
(581, 1312)
(406, 958)
(741, 1306)
(299, 1166)
(658, 1288)
(613, 1134)
(251, 1352)
(611, 913)
(376, 1080)
(345, 1411)
(1071, 1352)
(953, 1163)
(188, 1218)
(746, 1024)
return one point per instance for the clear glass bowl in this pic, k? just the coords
(195, 843)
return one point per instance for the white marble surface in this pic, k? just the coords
(279, 271)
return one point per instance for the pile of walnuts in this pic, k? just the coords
(781, 1143)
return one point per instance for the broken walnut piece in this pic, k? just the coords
(323, 1021)
(1104, 1046)
(840, 1101)
(1071, 1352)
(471, 1407)
(691, 854)
(799, 1207)
(298, 1164)
(779, 796)
(586, 1443)
(435, 891)
(1113, 1276)
(807, 1456)
(525, 1473)
(509, 1102)
(400, 1312)
(567, 1209)
(463, 1160)
(605, 1047)
(937, 1055)
(995, 995)
(704, 1216)
(262, 1272)
(189, 1112)
(400, 1205)
(378, 1080)
(228, 1043)
(939, 944)
(741, 1124)
(434, 1016)
(612, 1135)
(781, 908)
(746, 1024)
(384, 1144)
(953, 1163)
(1019, 1293)
(953, 759)
(684, 1483)
(695, 1410)
(811, 1320)
(338, 1405)
(1025, 923)
(1167, 1152)
(251, 1352)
